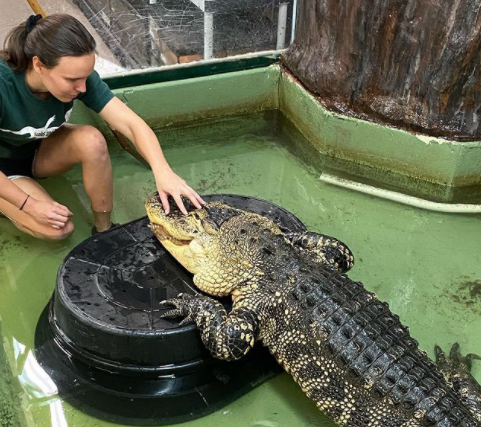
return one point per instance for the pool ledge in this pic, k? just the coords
(430, 168)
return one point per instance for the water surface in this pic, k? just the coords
(426, 265)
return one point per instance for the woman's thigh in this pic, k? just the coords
(25, 222)
(67, 146)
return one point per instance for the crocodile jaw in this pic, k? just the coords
(177, 233)
(189, 253)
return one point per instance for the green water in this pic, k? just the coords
(426, 265)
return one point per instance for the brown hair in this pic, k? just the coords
(51, 38)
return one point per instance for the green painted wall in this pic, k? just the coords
(176, 102)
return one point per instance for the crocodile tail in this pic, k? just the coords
(359, 363)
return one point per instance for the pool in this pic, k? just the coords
(425, 264)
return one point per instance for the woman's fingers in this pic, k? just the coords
(57, 215)
(194, 197)
(177, 196)
(180, 203)
(62, 210)
(58, 221)
(165, 201)
(176, 187)
(57, 225)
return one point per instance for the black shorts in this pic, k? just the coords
(17, 167)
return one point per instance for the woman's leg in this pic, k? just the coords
(25, 222)
(72, 144)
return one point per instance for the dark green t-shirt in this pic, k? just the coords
(24, 118)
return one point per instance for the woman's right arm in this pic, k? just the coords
(46, 212)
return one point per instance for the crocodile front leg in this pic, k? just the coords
(226, 336)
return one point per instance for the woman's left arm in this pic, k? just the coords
(120, 117)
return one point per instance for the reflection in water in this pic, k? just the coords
(39, 385)
(18, 350)
(58, 415)
(34, 379)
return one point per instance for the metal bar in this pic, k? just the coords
(208, 35)
(282, 25)
(294, 19)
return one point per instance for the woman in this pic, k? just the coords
(46, 64)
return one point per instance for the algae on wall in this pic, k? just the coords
(10, 411)
(411, 63)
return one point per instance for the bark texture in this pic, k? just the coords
(411, 63)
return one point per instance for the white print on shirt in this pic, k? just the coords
(39, 133)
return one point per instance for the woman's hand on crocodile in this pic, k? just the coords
(169, 183)
(48, 212)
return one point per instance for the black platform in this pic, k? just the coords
(102, 341)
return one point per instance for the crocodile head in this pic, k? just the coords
(221, 245)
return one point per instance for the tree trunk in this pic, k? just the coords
(414, 64)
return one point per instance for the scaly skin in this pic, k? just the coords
(349, 353)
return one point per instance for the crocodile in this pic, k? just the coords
(345, 348)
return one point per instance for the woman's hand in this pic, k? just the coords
(169, 183)
(47, 212)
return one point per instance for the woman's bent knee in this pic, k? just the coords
(91, 143)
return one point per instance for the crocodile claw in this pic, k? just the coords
(456, 370)
(182, 308)
(455, 361)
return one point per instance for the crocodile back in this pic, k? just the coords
(352, 355)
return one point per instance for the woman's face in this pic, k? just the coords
(67, 79)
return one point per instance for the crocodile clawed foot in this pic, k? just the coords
(464, 362)
(456, 362)
(182, 304)
(456, 369)
(440, 356)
